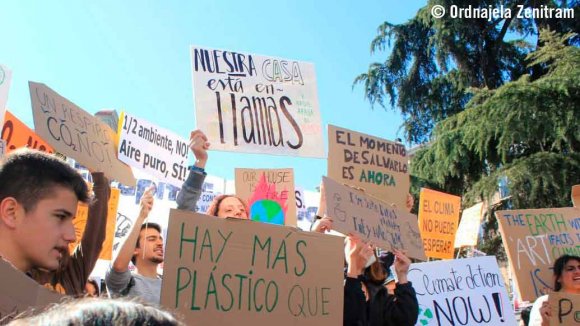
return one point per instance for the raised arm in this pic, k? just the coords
(191, 189)
(86, 254)
(121, 263)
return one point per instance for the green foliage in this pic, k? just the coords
(434, 62)
(526, 132)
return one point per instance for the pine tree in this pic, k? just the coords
(526, 131)
(433, 62)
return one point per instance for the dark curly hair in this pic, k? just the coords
(559, 268)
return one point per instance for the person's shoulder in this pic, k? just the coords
(145, 278)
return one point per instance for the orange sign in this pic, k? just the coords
(438, 220)
(107, 251)
(17, 134)
(80, 222)
(576, 195)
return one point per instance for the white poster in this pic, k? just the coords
(469, 226)
(256, 104)
(157, 151)
(5, 80)
(467, 291)
(301, 212)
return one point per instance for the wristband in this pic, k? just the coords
(196, 169)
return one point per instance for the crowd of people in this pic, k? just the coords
(39, 194)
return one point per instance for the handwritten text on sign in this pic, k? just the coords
(534, 239)
(273, 185)
(565, 308)
(461, 292)
(257, 104)
(157, 151)
(438, 219)
(77, 134)
(17, 135)
(231, 270)
(376, 165)
(373, 220)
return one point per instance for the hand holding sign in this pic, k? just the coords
(402, 263)
(546, 312)
(357, 253)
(146, 202)
(322, 225)
(199, 145)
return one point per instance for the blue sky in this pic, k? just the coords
(134, 55)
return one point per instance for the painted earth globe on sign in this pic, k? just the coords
(268, 211)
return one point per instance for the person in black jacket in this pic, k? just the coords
(366, 300)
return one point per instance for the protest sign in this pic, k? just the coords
(20, 293)
(17, 135)
(300, 203)
(205, 200)
(269, 194)
(127, 213)
(534, 239)
(224, 271)
(5, 80)
(438, 219)
(75, 133)
(157, 151)
(469, 226)
(467, 291)
(107, 250)
(80, 222)
(373, 220)
(256, 104)
(378, 166)
(565, 308)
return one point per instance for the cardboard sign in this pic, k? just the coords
(17, 135)
(269, 194)
(157, 151)
(461, 292)
(232, 271)
(373, 220)
(20, 293)
(77, 134)
(378, 166)
(80, 222)
(468, 230)
(438, 220)
(5, 80)
(565, 308)
(534, 239)
(256, 104)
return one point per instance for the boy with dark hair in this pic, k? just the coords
(144, 247)
(38, 200)
(39, 194)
